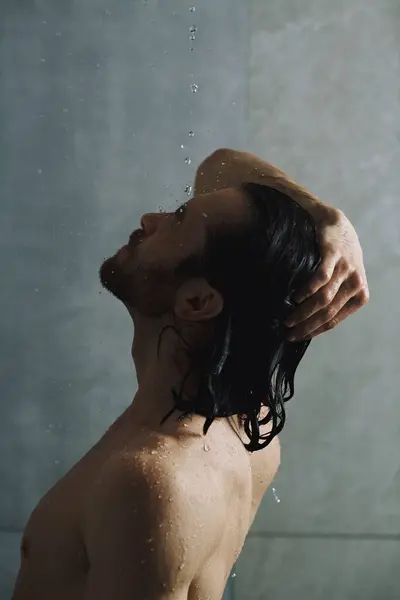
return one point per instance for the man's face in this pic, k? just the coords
(140, 274)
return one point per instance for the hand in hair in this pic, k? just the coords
(339, 286)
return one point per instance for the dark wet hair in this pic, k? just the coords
(257, 267)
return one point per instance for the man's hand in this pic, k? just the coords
(339, 286)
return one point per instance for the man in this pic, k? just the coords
(160, 507)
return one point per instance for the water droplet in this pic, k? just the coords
(194, 88)
(277, 499)
(191, 133)
(56, 462)
(193, 29)
(43, 60)
(188, 190)
(188, 160)
(233, 575)
(65, 110)
(58, 34)
(192, 37)
(181, 566)
(153, 452)
(39, 171)
(192, 9)
(205, 215)
(161, 209)
(206, 447)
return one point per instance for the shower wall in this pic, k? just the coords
(324, 105)
(95, 114)
(95, 104)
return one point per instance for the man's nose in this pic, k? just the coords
(150, 222)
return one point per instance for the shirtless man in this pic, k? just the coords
(158, 510)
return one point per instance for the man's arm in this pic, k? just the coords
(148, 533)
(339, 286)
(227, 168)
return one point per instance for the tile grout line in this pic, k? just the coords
(390, 537)
(395, 537)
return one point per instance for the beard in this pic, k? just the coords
(148, 289)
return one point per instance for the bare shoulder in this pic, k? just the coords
(167, 489)
(150, 523)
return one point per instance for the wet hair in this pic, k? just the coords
(256, 266)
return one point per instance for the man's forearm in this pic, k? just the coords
(230, 168)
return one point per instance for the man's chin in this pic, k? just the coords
(111, 279)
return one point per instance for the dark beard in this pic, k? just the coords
(116, 282)
(150, 291)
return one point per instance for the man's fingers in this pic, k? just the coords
(321, 298)
(348, 299)
(321, 277)
(349, 308)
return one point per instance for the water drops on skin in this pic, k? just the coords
(206, 448)
(277, 499)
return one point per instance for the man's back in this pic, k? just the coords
(224, 482)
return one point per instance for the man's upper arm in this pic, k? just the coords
(148, 533)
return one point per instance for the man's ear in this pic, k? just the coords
(197, 301)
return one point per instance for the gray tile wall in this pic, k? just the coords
(324, 105)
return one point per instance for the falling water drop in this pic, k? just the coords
(191, 133)
(194, 88)
(233, 575)
(192, 37)
(277, 499)
(161, 209)
(192, 9)
(39, 171)
(193, 29)
(182, 146)
(188, 190)
(188, 160)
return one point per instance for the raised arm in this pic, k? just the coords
(339, 286)
(227, 168)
